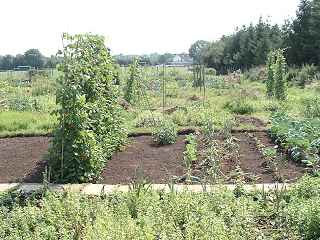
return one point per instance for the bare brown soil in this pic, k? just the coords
(256, 167)
(143, 158)
(245, 119)
(21, 160)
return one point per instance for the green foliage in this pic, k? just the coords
(90, 123)
(174, 216)
(240, 106)
(42, 85)
(148, 119)
(246, 48)
(312, 107)
(301, 77)
(270, 73)
(24, 103)
(302, 34)
(143, 213)
(29, 123)
(303, 211)
(273, 106)
(208, 127)
(190, 154)
(165, 133)
(31, 58)
(197, 51)
(296, 136)
(276, 71)
(279, 76)
(132, 88)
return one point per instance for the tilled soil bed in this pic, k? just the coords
(250, 165)
(143, 158)
(21, 160)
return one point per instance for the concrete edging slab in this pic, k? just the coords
(97, 189)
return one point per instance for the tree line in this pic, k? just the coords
(249, 45)
(35, 59)
(145, 59)
(32, 58)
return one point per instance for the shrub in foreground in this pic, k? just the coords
(142, 213)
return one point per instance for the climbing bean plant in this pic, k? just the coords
(270, 79)
(276, 70)
(132, 90)
(90, 123)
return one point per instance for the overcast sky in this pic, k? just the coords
(130, 26)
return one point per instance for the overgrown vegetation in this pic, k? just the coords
(299, 137)
(143, 213)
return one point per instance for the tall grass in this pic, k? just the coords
(13, 123)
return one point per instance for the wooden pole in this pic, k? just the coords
(163, 89)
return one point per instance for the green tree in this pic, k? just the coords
(197, 51)
(34, 58)
(7, 62)
(303, 35)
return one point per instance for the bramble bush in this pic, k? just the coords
(90, 121)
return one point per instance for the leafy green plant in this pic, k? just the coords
(212, 157)
(296, 136)
(279, 76)
(21, 103)
(90, 123)
(148, 119)
(180, 117)
(272, 106)
(165, 133)
(270, 73)
(208, 128)
(276, 71)
(240, 106)
(312, 107)
(269, 152)
(132, 87)
(190, 154)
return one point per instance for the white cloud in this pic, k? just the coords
(131, 26)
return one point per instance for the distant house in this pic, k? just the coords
(180, 60)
